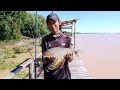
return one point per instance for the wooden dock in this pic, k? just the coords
(78, 70)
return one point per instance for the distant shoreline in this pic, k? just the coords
(96, 33)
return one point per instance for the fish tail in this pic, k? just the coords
(76, 52)
(58, 62)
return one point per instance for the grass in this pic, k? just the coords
(10, 49)
(11, 55)
(22, 74)
(7, 53)
(9, 65)
(21, 49)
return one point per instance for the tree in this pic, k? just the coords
(15, 24)
(10, 24)
(29, 28)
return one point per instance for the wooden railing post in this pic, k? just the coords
(31, 71)
(74, 33)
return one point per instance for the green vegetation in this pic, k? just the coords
(21, 49)
(10, 49)
(15, 24)
(8, 53)
(21, 74)
(8, 65)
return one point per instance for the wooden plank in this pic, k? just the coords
(39, 71)
(78, 70)
(68, 22)
(41, 75)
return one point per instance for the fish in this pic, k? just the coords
(59, 53)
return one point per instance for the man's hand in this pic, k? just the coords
(51, 58)
(69, 56)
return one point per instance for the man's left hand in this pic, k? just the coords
(69, 56)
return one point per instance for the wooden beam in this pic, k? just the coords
(68, 22)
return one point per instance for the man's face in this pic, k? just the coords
(53, 25)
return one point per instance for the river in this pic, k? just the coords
(101, 54)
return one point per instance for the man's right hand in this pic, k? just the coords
(51, 58)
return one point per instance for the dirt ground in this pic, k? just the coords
(22, 57)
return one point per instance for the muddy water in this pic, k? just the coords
(101, 54)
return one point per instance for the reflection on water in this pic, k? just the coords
(100, 53)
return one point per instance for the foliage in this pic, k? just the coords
(10, 24)
(21, 49)
(20, 75)
(15, 24)
(7, 65)
(31, 30)
(7, 53)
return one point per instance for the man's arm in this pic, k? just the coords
(69, 55)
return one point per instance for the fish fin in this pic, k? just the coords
(77, 53)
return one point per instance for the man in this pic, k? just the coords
(56, 39)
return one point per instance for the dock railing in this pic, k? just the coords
(27, 63)
(70, 24)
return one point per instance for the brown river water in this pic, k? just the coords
(101, 54)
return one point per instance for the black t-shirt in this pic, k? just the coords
(58, 40)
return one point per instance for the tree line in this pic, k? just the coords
(16, 24)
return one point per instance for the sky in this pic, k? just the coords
(90, 21)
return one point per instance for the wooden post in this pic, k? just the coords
(74, 33)
(31, 71)
(72, 30)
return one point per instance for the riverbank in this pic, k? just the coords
(25, 49)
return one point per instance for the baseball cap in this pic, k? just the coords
(53, 16)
